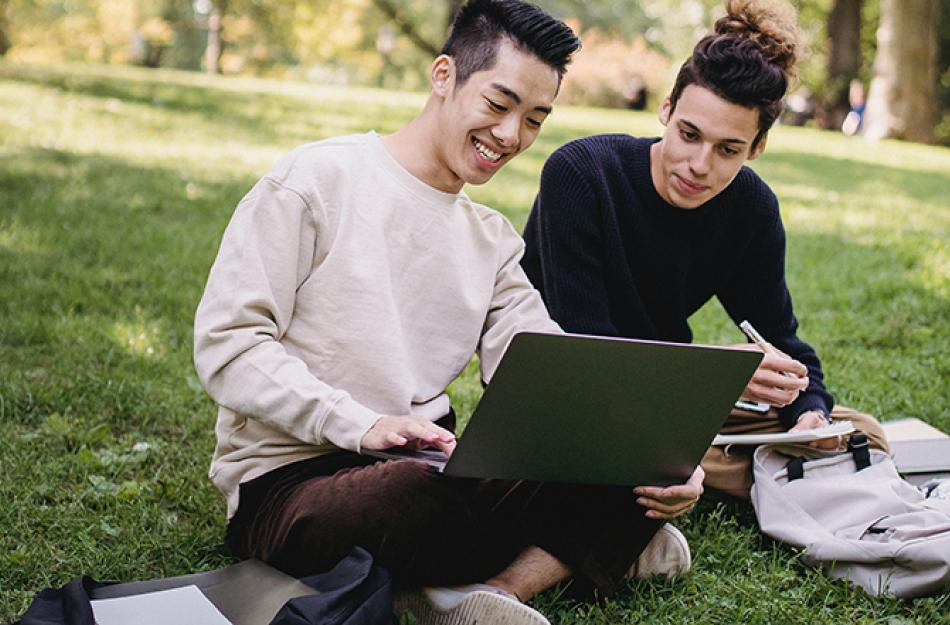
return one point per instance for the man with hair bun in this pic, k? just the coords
(630, 236)
(352, 285)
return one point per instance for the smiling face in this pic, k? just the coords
(496, 114)
(706, 141)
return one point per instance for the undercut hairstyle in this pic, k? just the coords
(481, 25)
(749, 60)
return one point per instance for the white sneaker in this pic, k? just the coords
(667, 554)
(473, 604)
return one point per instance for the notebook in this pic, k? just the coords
(185, 605)
(597, 410)
(839, 428)
(922, 460)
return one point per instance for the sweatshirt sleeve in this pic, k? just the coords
(266, 253)
(565, 249)
(515, 306)
(760, 294)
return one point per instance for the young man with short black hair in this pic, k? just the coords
(353, 284)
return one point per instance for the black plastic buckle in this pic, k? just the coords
(861, 450)
(795, 469)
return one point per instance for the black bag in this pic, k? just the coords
(354, 592)
(68, 605)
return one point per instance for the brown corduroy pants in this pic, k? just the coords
(731, 472)
(430, 529)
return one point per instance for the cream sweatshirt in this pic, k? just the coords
(346, 289)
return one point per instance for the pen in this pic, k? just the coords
(759, 340)
(753, 334)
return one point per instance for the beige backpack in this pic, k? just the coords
(854, 517)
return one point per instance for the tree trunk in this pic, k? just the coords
(844, 56)
(153, 58)
(213, 51)
(4, 27)
(902, 102)
(406, 26)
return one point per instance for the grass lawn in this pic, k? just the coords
(115, 187)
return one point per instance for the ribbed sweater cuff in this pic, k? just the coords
(788, 416)
(347, 422)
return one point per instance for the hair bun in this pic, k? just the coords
(772, 29)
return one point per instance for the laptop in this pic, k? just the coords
(596, 410)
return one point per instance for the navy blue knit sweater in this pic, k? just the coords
(612, 258)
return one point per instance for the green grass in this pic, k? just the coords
(115, 187)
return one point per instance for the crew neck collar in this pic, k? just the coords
(407, 179)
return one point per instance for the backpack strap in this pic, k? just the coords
(859, 448)
(795, 469)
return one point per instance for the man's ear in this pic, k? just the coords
(666, 108)
(759, 147)
(442, 75)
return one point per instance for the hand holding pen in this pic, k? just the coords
(779, 378)
(790, 370)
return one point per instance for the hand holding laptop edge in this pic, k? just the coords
(671, 501)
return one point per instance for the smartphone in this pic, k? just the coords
(753, 406)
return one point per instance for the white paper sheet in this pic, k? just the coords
(182, 606)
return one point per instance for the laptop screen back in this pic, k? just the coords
(572, 408)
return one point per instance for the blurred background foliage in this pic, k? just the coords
(631, 52)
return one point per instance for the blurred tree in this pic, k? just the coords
(56, 30)
(614, 17)
(336, 42)
(389, 42)
(674, 26)
(4, 27)
(902, 102)
(245, 35)
(255, 34)
(609, 72)
(831, 50)
(157, 35)
(407, 25)
(214, 48)
(844, 57)
(943, 90)
(187, 51)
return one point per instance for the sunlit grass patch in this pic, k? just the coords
(140, 339)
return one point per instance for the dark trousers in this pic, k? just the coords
(430, 529)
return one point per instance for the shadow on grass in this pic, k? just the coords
(105, 262)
